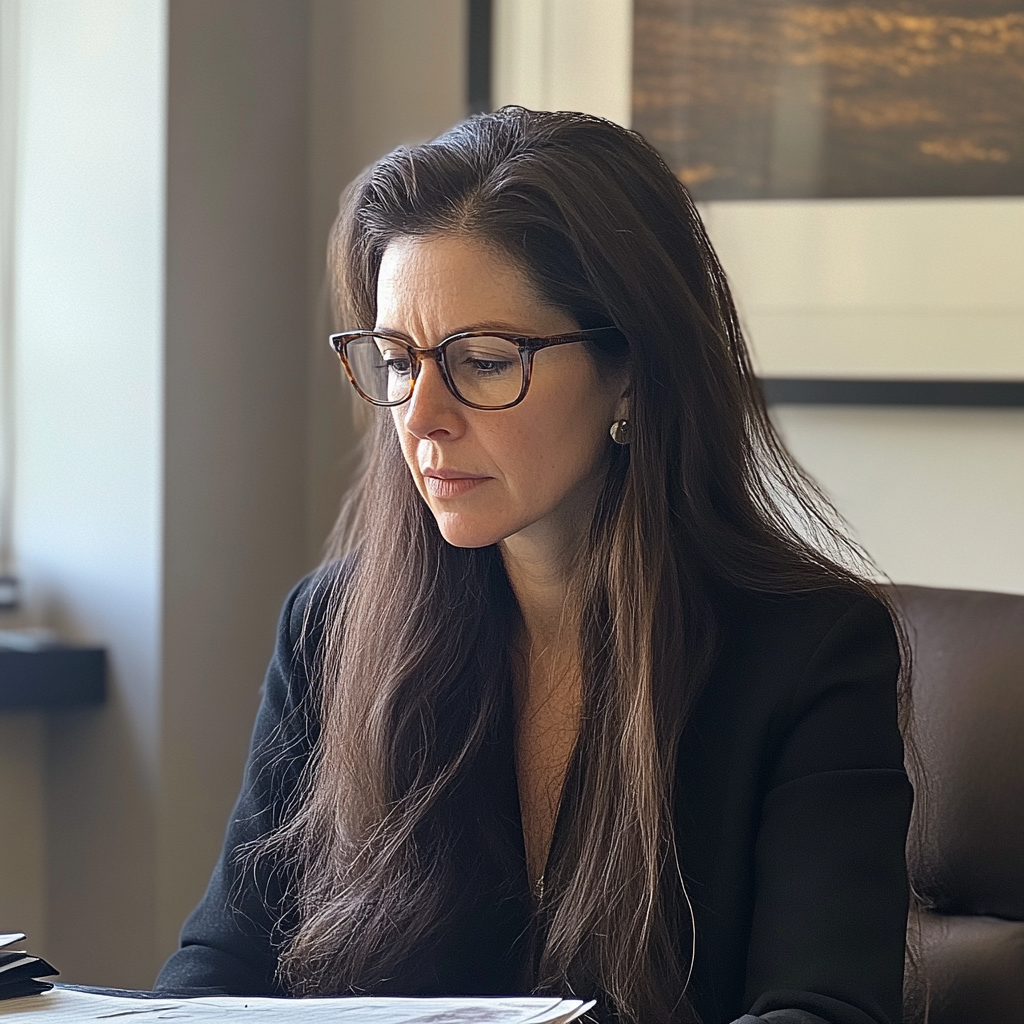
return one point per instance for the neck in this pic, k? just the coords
(539, 574)
(540, 562)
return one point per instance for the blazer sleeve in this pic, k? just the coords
(831, 899)
(229, 943)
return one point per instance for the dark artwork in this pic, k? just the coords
(763, 98)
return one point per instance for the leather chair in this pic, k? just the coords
(967, 855)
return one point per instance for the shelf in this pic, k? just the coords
(52, 678)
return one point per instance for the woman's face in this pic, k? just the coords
(531, 471)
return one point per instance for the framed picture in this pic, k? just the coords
(888, 137)
(751, 99)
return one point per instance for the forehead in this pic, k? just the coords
(448, 282)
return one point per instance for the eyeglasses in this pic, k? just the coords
(482, 369)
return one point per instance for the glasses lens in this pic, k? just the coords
(485, 371)
(382, 368)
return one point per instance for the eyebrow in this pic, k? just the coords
(484, 325)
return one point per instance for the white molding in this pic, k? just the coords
(918, 288)
(565, 55)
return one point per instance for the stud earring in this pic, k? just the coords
(620, 431)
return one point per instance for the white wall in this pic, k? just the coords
(936, 495)
(89, 327)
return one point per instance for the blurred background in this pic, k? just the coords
(176, 436)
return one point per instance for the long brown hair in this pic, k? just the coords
(415, 669)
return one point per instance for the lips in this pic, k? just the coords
(450, 483)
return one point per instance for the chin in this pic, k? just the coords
(460, 532)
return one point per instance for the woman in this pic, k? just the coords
(585, 700)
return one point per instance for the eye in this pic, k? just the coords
(396, 360)
(486, 357)
(398, 364)
(489, 367)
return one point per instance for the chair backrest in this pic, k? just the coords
(967, 854)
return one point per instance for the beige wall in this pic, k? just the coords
(235, 361)
(23, 874)
(182, 444)
(259, 440)
(901, 288)
(381, 74)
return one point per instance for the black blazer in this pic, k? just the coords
(792, 808)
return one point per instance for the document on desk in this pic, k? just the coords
(66, 1006)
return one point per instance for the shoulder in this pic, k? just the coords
(799, 635)
(307, 613)
(302, 631)
(308, 607)
(795, 625)
(815, 675)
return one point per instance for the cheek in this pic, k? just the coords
(555, 450)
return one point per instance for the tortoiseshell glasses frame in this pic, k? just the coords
(346, 342)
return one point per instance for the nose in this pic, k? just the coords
(432, 412)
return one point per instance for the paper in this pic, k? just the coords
(66, 1006)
